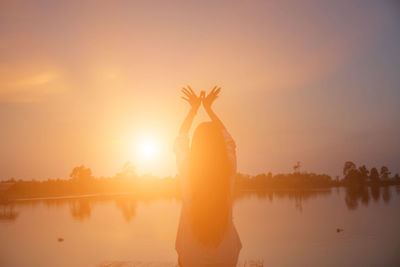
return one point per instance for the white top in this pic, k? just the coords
(191, 252)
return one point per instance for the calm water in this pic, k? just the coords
(282, 228)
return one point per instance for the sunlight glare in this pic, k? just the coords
(148, 149)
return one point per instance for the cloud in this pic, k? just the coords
(36, 80)
(23, 87)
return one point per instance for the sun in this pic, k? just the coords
(147, 148)
(148, 151)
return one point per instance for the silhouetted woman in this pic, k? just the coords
(206, 233)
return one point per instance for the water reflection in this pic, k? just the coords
(386, 194)
(362, 194)
(128, 206)
(375, 193)
(81, 208)
(298, 196)
(7, 212)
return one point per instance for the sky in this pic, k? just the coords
(88, 82)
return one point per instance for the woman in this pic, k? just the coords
(206, 233)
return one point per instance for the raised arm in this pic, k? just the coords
(194, 101)
(207, 103)
(229, 142)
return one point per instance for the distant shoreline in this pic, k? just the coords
(83, 184)
(237, 193)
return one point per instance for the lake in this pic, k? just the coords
(282, 228)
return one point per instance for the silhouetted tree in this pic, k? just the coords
(128, 171)
(81, 173)
(349, 166)
(374, 175)
(296, 167)
(385, 173)
(352, 176)
(364, 173)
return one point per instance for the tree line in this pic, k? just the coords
(81, 181)
(354, 175)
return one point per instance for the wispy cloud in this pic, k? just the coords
(27, 88)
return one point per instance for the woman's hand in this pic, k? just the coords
(207, 103)
(191, 97)
(195, 102)
(209, 99)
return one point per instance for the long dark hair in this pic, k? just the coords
(209, 167)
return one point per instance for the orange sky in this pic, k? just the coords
(82, 81)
